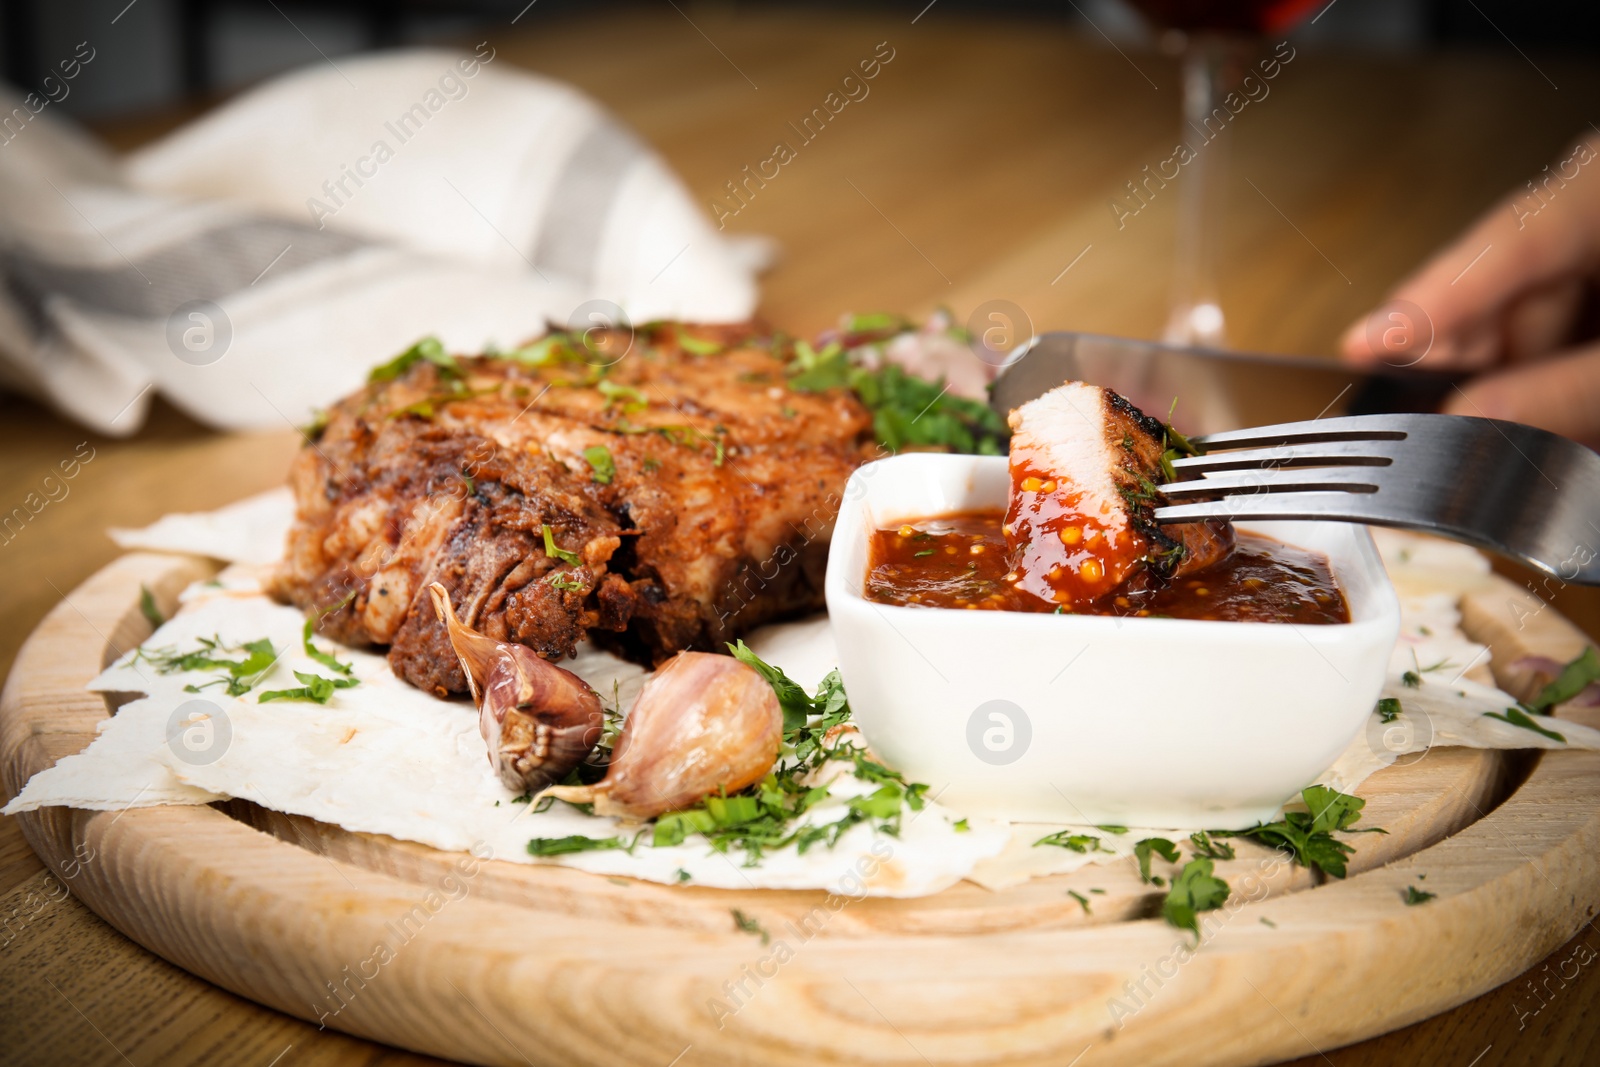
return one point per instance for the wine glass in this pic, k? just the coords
(1215, 38)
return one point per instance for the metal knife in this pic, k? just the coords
(1214, 390)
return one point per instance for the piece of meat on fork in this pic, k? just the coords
(1085, 464)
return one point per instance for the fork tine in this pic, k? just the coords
(1346, 453)
(1258, 482)
(1347, 428)
(1327, 506)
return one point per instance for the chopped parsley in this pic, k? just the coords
(429, 350)
(1159, 846)
(960, 826)
(1082, 900)
(1308, 835)
(562, 846)
(554, 552)
(1518, 717)
(1411, 680)
(698, 346)
(631, 399)
(147, 608)
(1110, 829)
(1388, 709)
(602, 467)
(1574, 678)
(237, 676)
(565, 581)
(313, 687)
(1204, 846)
(1084, 843)
(312, 651)
(1414, 896)
(1194, 890)
(747, 925)
(906, 410)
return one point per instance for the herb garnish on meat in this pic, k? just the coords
(907, 411)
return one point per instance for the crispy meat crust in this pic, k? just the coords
(716, 520)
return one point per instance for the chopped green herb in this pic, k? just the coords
(317, 654)
(925, 552)
(565, 581)
(1082, 900)
(313, 687)
(797, 707)
(1068, 840)
(1308, 836)
(697, 345)
(1388, 709)
(147, 608)
(237, 676)
(1159, 846)
(429, 350)
(906, 410)
(603, 467)
(551, 550)
(651, 464)
(1574, 678)
(562, 846)
(1268, 922)
(683, 875)
(1110, 829)
(960, 826)
(1196, 889)
(632, 399)
(1411, 680)
(1204, 846)
(1441, 665)
(1414, 896)
(750, 926)
(1517, 717)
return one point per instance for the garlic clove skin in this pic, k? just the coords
(702, 723)
(538, 720)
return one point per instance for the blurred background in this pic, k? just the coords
(177, 52)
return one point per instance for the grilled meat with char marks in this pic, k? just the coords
(1085, 464)
(670, 500)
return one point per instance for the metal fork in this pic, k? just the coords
(1508, 488)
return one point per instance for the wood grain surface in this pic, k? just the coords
(978, 169)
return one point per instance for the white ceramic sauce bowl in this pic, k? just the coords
(1097, 719)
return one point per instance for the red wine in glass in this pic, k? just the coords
(1237, 16)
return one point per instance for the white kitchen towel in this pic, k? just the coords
(254, 264)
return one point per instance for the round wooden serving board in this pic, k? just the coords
(502, 963)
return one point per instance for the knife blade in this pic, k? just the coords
(1214, 390)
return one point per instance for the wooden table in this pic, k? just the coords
(979, 167)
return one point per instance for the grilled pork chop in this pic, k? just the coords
(1085, 464)
(667, 501)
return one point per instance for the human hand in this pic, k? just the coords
(1507, 301)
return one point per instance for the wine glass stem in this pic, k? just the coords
(1196, 317)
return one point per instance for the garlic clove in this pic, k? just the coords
(702, 723)
(538, 720)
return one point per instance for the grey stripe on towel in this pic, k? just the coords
(580, 202)
(207, 266)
